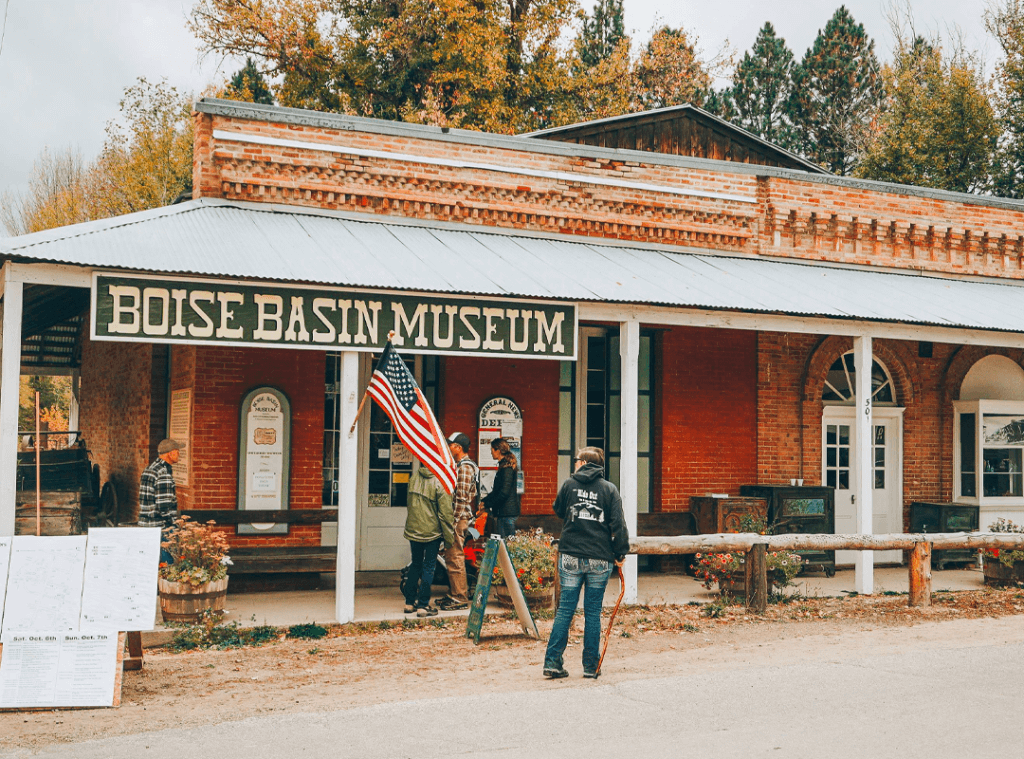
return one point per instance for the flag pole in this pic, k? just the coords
(366, 395)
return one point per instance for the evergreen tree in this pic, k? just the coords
(248, 84)
(670, 71)
(762, 88)
(836, 94)
(602, 32)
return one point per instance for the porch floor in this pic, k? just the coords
(382, 601)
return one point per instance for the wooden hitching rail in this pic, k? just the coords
(756, 547)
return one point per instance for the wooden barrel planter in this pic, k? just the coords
(182, 602)
(998, 574)
(535, 599)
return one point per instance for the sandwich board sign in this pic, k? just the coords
(497, 554)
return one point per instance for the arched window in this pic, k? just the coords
(840, 383)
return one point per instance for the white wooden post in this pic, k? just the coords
(863, 463)
(348, 449)
(10, 381)
(629, 353)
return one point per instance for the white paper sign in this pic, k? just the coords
(178, 428)
(120, 590)
(5, 562)
(58, 669)
(44, 587)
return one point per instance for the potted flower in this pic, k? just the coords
(1002, 566)
(533, 555)
(729, 569)
(197, 580)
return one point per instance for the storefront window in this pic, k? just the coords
(990, 447)
(390, 463)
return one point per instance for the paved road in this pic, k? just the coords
(956, 700)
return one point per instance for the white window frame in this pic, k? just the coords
(980, 409)
(851, 401)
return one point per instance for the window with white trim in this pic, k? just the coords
(841, 381)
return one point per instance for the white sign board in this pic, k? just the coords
(44, 586)
(179, 428)
(5, 560)
(499, 417)
(51, 669)
(120, 591)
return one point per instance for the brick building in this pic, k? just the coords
(710, 323)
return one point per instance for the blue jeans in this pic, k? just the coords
(421, 572)
(507, 526)
(575, 573)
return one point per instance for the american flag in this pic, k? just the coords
(395, 389)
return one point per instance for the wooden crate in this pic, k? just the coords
(61, 513)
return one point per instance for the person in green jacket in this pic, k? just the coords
(429, 521)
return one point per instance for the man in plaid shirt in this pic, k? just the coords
(462, 505)
(158, 500)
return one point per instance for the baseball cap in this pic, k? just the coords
(460, 438)
(167, 445)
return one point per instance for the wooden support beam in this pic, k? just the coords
(134, 659)
(921, 575)
(757, 578)
(743, 541)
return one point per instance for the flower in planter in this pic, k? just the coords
(533, 556)
(1005, 557)
(712, 568)
(200, 553)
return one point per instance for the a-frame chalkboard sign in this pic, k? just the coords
(496, 553)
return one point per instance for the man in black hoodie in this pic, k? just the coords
(594, 536)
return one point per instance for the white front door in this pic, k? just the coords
(837, 446)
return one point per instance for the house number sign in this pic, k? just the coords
(264, 446)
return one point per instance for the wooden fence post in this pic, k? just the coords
(757, 578)
(921, 574)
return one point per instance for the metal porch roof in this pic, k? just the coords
(245, 240)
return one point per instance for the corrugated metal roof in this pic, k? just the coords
(245, 240)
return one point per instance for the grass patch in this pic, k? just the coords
(210, 632)
(307, 631)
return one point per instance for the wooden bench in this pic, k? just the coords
(271, 559)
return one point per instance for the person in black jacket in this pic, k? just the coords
(503, 501)
(594, 536)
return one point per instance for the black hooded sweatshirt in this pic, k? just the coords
(591, 511)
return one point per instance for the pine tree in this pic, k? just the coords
(602, 32)
(762, 88)
(836, 94)
(249, 84)
(670, 71)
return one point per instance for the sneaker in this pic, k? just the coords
(426, 611)
(553, 672)
(445, 599)
(409, 609)
(450, 604)
(591, 675)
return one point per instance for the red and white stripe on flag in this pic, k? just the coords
(395, 390)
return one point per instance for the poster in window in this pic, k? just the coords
(1003, 430)
(264, 456)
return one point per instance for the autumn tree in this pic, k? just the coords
(1005, 21)
(671, 71)
(762, 88)
(836, 94)
(937, 126)
(56, 195)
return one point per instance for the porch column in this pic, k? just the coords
(10, 380)
(629, 354)
(348, 448)
(864, 465)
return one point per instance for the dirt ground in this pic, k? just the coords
(359, 665)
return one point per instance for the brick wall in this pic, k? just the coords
(533, 384)
(706, 409)
(114, 415)
(221, 378)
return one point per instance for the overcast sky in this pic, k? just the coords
(65, 63)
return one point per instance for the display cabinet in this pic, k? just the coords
(801, 509)
(716, 514)
(946, 517)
